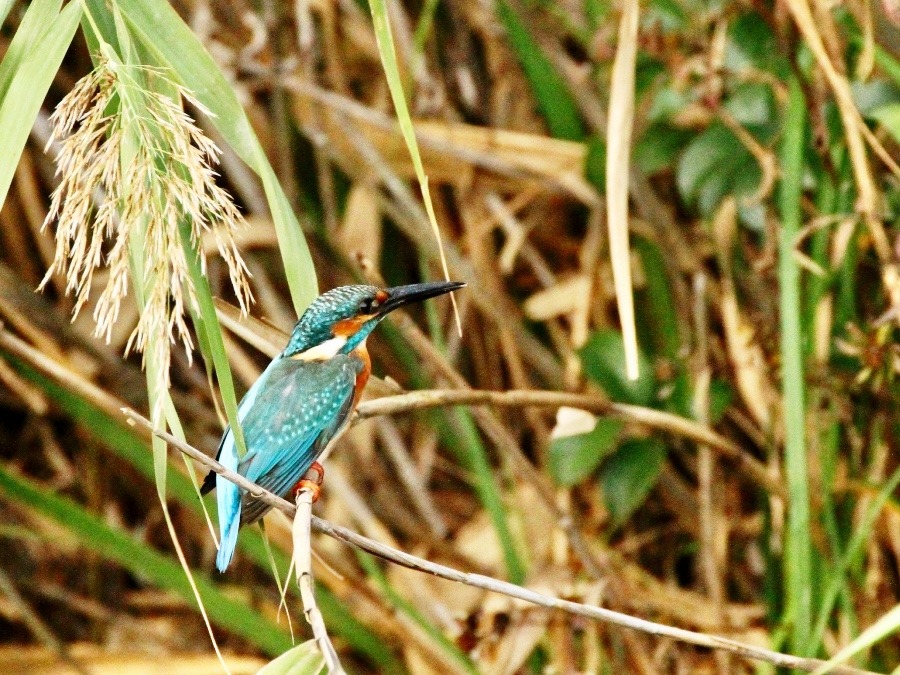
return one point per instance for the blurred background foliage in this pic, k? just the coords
(744, 484)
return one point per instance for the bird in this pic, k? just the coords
(304, 399)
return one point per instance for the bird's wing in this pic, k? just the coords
(227, 452)
(291, 420)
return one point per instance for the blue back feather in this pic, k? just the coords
(289, 415)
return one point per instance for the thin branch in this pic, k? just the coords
(656, 419)
(490, 584)
(303, 566)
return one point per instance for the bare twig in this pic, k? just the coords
(495, 585)
(303, 567)
(656, 419)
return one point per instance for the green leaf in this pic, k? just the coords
(212, 343)
(753, 45)
(629, 475)
(385, 40)
(714, 164)
(30, 81)
(304, 659)
(553, 98)
(669, 15)
(647, 71)
(603, 361)
(574, 458)
(712, 149)
(667, 102)
(659, 146)
(889, 64)
(753, 105)
(874, 94)
(34, 25)
(888, 116)
(597, 11)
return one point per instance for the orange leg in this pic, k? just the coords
(312, 481)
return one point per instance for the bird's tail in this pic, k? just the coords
(229, 541)
(228, 498)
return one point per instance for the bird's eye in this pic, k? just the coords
(366, 306)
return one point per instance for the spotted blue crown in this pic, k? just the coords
(338, 304)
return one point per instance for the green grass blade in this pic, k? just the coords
(145, 563)
(424, 26)
(38, 18)
(29, 84)
(553, 98)
(5, 7)
(385, 40)
(164, 34)
(797, 557)
(855, 547)
(886, 625)
(208, 323)
(888, 63)
(475, 459)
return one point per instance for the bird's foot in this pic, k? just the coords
(312, 481)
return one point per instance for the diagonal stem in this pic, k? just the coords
(495, 585)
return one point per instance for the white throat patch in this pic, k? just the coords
(324, 351)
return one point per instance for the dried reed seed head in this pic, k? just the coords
(139, 168)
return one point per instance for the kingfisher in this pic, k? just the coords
(304, 399)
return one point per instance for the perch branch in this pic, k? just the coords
(656, 419)
(303, 567)
(497, 586)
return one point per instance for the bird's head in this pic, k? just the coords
(341, 319)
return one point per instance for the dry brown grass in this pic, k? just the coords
(522, 223)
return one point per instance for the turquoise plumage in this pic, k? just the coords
(303, 399)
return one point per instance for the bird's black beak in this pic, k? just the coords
(403, 295)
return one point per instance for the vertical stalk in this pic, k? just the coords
(797, 557)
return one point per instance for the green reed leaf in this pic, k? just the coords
(29, 72)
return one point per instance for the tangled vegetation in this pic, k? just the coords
(211, 166)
